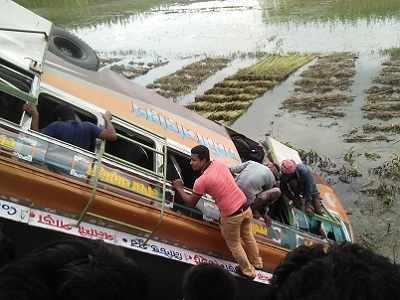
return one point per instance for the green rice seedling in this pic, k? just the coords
(225, 115)
(266, 84)
(394, 53)
(223, 98)
(187, 79)
(276, 67)
(221, 106)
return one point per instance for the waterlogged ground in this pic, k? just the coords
(343, 105)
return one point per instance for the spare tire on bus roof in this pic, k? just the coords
(71, 48)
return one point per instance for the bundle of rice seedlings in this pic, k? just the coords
(186, 80)
(382, 90)
(322, 89)
(276, 67)
(393, 128)
(338, 57)
(391, 69)
(212, 107)
(382, 115)
(223, 98)
(388, 79)
(225, 115)
(246, 84)
(381, 107)
(317, 82)
(344, 73)
(395, 63)
(234, 91)
(320, 100)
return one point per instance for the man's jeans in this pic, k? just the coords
(238, 227)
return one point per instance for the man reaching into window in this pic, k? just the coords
(69, 130)
(217, 181)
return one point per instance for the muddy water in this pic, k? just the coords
(183, 31)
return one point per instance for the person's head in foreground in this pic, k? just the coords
(342, 272)
(208, 282)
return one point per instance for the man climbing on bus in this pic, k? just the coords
(70, 129)
(297, 183)
(216, 180)
(258, 183)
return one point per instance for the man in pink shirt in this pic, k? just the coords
(217, 181)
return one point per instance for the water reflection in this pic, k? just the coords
(171, 28)
(328, 10)
(72, 13)
(226, 27)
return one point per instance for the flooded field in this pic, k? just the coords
(343, 106)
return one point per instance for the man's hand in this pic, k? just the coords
(31, 109)
(178, 184)
(107, 116)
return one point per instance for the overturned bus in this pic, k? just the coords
(121, 192)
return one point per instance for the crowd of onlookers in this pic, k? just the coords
(86, 269)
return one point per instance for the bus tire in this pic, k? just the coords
(72, 49)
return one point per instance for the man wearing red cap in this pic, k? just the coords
(298, 184)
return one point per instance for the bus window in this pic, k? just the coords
(126, 149)
(178, 167)
(10, 108)
(47, 106)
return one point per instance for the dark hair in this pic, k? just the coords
(107, 274)
(7, 248)
(64, 112)
(344, 272)
(208, 282)
(202, 151)
(74, 269)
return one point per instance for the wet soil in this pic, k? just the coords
(229, 99)
(187, 79)
(323, 89)
(131, 69)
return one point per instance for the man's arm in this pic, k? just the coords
(190, 199)
(309, 184)
(32, 110)
(108, 133)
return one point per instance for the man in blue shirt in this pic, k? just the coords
(297, 183)
(69, 130)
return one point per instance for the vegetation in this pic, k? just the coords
(185, 80)
(321, 92)
(229, 99)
